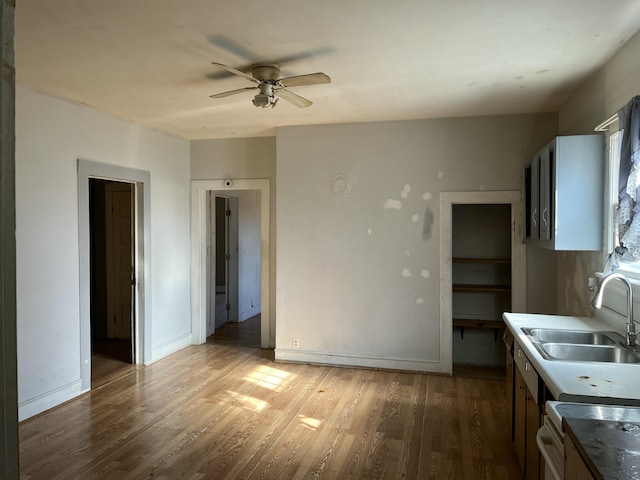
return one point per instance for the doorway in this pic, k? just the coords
(140, 180)
(258, 299)
(515, 250)
(234, 268)
(225, 261)
(481, 282)
(112, 279)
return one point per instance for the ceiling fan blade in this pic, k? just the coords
(231, 92)
(301, 55)
(291, 97)
(309, 79)
(235, 71)
(232, 46)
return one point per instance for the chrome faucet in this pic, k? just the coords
(597, 303)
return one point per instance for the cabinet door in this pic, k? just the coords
(534, 204)
(519, 416)
(532, 454)
(546, 193)
(509, 386)
(575, 467)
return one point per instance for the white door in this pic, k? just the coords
(120, 264)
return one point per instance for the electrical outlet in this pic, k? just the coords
(296, 343)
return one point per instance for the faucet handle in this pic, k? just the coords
(631, 335)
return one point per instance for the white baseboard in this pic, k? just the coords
(168, 348)
(41, 403)
(323, 358)
(247, 314)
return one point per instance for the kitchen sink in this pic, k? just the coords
(580, 337)
(588, 353)
(581, 345)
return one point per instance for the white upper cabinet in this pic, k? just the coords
(563, 190)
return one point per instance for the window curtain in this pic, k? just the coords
(628, 218)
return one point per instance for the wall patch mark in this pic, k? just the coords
(425, 273)
(406, 273)
(427, 195)
(340, 185)
(415, 218)
(391, 204)
(419, 300)
(428, 224)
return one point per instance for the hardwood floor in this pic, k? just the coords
(110, 359)
(221, 412)
(239, 334)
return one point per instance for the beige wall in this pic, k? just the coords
(359, 282)
(604, 93)
(599, 98)
(51, 135)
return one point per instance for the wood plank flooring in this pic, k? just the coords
(222, 412)
(110, 359)
(238, 334)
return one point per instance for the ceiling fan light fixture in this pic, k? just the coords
(264, 101)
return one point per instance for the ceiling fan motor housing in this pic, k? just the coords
(267, 72)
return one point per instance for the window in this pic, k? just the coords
(611, 240)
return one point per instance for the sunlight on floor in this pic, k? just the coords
(310, 423)
(250, 403)
(270, 378)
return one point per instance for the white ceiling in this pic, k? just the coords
(148, 61)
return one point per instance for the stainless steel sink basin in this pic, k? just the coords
(580, 337)
(588, 353)
(581, 345)
(612, 413)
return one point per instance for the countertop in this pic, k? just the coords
(611, 449)
(585, 382)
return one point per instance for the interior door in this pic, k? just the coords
(120, 263)
(232, 258)
(219, 264)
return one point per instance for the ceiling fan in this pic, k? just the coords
(266, 76)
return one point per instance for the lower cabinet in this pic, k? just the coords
(532, 454)
(509, 379)
(528, 400)
(520, 418)
(575, 467)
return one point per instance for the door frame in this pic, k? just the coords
(518, 258)
(142, 251)
(199, 292)
(8, 319)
